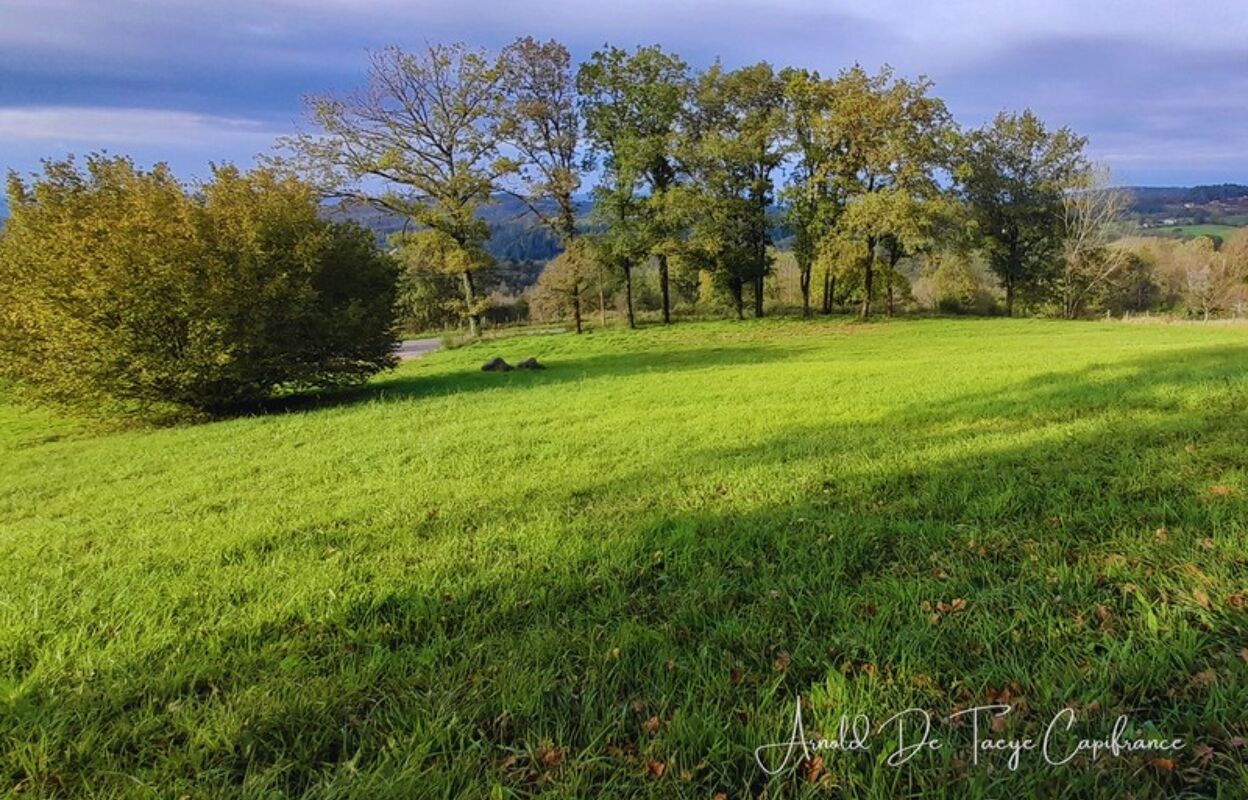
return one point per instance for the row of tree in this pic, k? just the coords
(693, 166)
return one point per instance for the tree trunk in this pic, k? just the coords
(738, 297)
(805, 281)
(664, 288)
(568, 225)
(758, 297)
(889, 307)
(628, 296)
(829, 284)
(1009, 296)
(470, 297)
(602, 297)
(868, 279)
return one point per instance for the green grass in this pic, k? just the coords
(458, 584)
(1192, 231)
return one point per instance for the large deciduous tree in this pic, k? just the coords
(631, 103)
(1093, 212)
(887, 140)
(541, 124)
(420, 140)
(811, 203)
(1014, 175)
(733, 141)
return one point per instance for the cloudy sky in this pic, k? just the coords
(1160, 88)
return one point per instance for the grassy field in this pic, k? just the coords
(1192, 231)
(612, 578)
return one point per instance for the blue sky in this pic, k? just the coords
(1159, 90)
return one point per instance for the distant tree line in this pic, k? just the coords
(691, 169)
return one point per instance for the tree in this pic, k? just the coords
(1092, 218)
(812, 205)
(121, 290)
(756, 102)
(731, 144)
(419, 141)
(1013, 177)
(540, 122)
(566, 278)
(631, 103)
(1214, 281)
(886, 138)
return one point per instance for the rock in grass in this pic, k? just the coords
(496, 365)
(530, 363)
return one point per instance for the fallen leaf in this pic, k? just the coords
(1243, 654)
(508, 762)
(1237, 742)
(866, 609)
(670, 665)
(614, 654)
(734, 676)
(943, 607)
(813, 769)
(656, 768)
(958, 605)
(720, 796)
(552, 757)
(1162, 534)
(925, 606)
(1201, 599)
(1204, 543)
(934, 619)
(997, 724)
(782, 662)
(1221, 490)
(652, 725)
(1164, 764)
(1206, 677)
(1237, 601)
(1204, 753)
(1102, 613)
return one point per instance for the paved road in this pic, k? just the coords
(415, 348)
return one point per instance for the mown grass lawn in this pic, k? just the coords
(612, 578)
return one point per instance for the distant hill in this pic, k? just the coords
(516, 233)
(1147, 196)
(1181, 209)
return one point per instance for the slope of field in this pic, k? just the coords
(612, 578)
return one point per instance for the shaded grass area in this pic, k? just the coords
(612, 578)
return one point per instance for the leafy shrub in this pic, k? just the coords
(119, 289)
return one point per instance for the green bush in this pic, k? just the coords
(122, 291)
